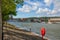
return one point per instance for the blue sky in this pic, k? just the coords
(38, 8)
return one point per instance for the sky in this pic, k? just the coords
(38, 8)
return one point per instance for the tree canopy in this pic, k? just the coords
(9, 7)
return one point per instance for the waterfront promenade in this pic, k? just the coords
(10, 32)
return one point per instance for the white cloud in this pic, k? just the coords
(56, 7)
(33, 3)
(52, 12)
(39, 10)
(34, 7)
(46, 10)
(42, 10)
(56, 4)
(59, 10)
(28, 8)
(25, 8)
(48, 2)
(38, 16)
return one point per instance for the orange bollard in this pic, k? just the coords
(43, 31)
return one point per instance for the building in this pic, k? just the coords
(54, 20)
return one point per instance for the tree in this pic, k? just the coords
(9, 7)
(0, 23)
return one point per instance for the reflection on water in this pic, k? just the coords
(52, 30)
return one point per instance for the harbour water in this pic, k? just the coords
(52, 30)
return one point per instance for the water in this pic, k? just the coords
(52, 30)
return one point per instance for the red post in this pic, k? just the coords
(43, 31)
(42, 38)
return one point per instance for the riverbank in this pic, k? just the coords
(10, 32)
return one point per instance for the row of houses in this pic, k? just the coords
(50, 19)
(26, 20)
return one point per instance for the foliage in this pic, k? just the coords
(9, 7)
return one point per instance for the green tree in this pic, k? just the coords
(9, 7)
(46, 19)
